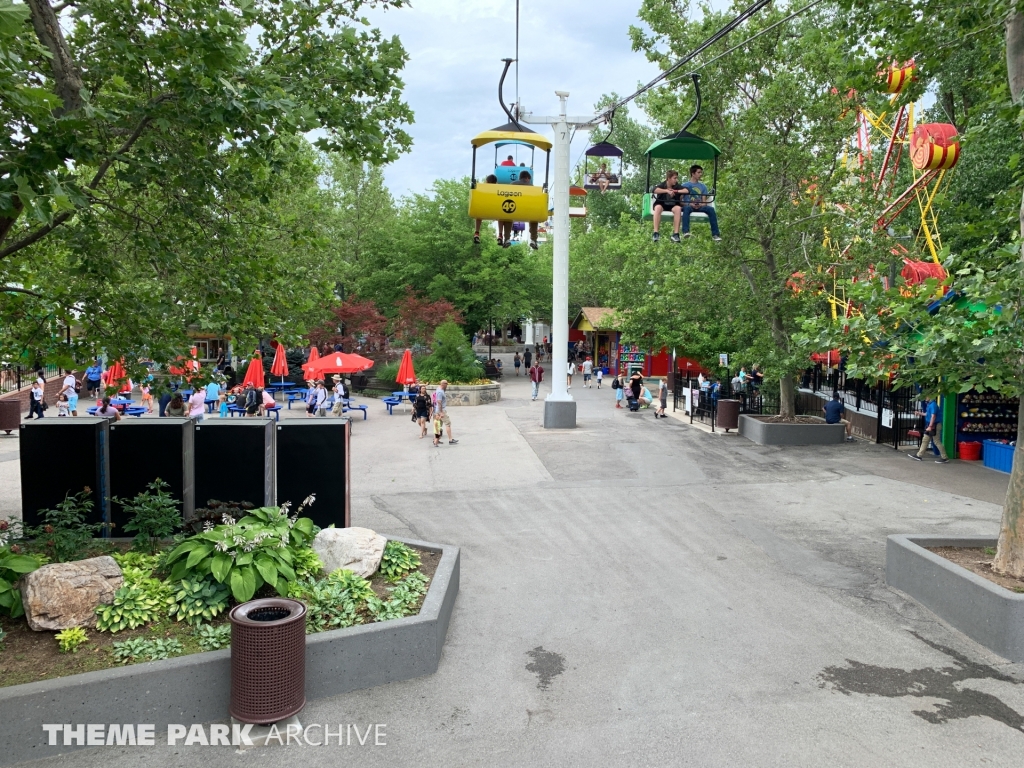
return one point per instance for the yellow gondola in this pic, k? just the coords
(509, 202)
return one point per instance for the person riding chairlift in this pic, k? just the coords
(505, 227)
(508, 161)
(491, 179)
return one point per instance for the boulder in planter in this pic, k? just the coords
(984, 611)
(356, 549)
(65, 595)
(762, 432)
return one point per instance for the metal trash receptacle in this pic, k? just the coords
(10, 415)
(728, 415)
(268, 660)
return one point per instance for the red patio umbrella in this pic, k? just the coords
(314, 355)
(280, 365)
(116, 376)
(187, 366)
(254, 373)
(336, 362)
(406, 373)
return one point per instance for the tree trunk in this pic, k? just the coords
(787, 398)
(66, 75)
(1010, 550)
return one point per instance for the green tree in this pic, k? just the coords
(170, 126)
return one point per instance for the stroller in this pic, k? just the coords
(632, 402)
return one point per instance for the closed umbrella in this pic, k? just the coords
(406, 373)
(314, 355)
(280, 365)
(336, 362)
(254, 373)
(116, 377)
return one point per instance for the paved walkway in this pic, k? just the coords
(637, 592)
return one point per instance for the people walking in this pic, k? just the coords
(570, 372)
(70, 389)
(441, 413)
(93, 377)
(517, 361)
(931, 434)
(536, 377)
(421, 409)
(527, 359)
(599, 374)
(662, 399)
(588, 372)
(197, 404)
(35, 402)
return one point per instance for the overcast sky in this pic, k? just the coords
(455, 49)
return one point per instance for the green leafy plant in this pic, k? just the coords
(198, 600)
(154, 588)
(452, 357)
(357, 586)
(404, 598)
(152, 515)
(398, 559)
(141, 649)
(133, 559)
(12, 567)
(3, 636)
(306, 563)
(64, 534)
(330, 606)
(211, 638)
(68, 640)
(256, 550)
(131, 608)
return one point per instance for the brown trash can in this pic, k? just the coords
(728, 415)
(268, 660)
(10, 415)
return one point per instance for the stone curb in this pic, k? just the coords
(196, 688)
(981, 609)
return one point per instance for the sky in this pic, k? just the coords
(455, 49)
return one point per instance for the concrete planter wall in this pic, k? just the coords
(982, 610)
(774, 433)
(471, 394)
(196, 688)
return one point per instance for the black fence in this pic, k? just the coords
(760, 401)
(14, 377)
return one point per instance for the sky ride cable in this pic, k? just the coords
(722, 32)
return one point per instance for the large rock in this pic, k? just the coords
(357, 549)
(64, 595)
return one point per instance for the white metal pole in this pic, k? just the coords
(560, 288)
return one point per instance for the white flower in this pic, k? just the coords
(284, 508)
(249, 547)
(227, 519)
(221, 546)
(308, 502)
(3, 539)
(207, 526)
(239, 541)
(284, 541)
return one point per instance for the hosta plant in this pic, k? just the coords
(131, 608)
(403, 600)
(198, 600)
(211, 638)
(356, 585)
(141, 649)
(330, 606)
(68, 640)
(398, 559)
(256, 550)
(306, 563)
(12, 567)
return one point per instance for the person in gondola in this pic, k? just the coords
(506, 226)
(508, 161)
(695, 200)
(668, 197)
(491, 179)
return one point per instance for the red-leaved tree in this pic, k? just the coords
(418, 317)
(357, 325)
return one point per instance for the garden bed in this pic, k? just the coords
(806, 430)
(29, 656)
(979, 560)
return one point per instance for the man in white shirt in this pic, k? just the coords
(69, 388)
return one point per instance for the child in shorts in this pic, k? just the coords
(63, 406)
(599, 374)
(438, 426)
(147, 398)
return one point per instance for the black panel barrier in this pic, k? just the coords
(141, 450)
(234, 461)
(313, 457)
(61, 457)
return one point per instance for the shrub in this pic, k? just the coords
(153, 588)
(451, 359)
(68, 640)
(404, 598)
(398, 559)
(141, 649)
(256, 550)
(198, 600)
(153, 515)
(65, 535)
(211, 638)
(329, 606)
(131, 608)
(306, 564)
(12, 567)
(140, 560)
(357, 586)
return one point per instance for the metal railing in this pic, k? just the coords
(16, 377)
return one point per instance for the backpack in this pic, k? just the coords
(616, 384)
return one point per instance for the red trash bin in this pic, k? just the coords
(970, 451)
